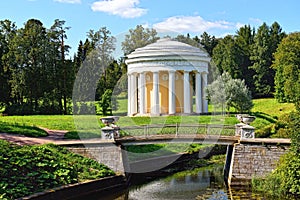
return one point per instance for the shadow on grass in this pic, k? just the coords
(265, 116)
(30, 131)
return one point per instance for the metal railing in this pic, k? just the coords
(178, 129)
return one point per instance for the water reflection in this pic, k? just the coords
(196, 184)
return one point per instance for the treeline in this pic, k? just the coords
(248, 55)
(37, 75)
(267, 59)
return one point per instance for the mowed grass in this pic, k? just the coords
(272, 107)
(265, 110)
(53, 122)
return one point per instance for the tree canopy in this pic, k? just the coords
(287, 67)
(226, 92)
(37, 74)
(138, 37)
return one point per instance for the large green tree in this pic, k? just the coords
(265, 44)
(7, 32)
(38, 74)
(103, 44)
(209, 42)
(244, 39)
(226, 56)
(287, 67)
(138, 37)
(62, 70)
(29, 48)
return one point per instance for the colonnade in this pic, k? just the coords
(146, 85)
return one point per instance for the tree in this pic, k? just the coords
(138, 37)
(265, 43)
(226, 56)
(104, 45)
(208, 42)
(244, 40)
(7, 32)
(226, 92)
(287, 67)
(188, 40)
(105, 102)
(28, 47)
(58, 36)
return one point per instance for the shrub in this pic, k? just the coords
(29, 169)
(265, 131)
(285, 180)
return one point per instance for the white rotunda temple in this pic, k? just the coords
(164, 77)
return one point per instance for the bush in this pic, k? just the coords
(29, 169)
(16, 109)
(285, 180)
(265, 131)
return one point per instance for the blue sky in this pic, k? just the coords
(217, 17)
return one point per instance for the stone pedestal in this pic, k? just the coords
(238, 129)
(247, 132)
(107, 133)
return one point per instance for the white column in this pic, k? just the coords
(198, 93)
(133, 97)
(172, 103)
(155, 101)
(186, 93)
(142, 86)
(204, 85)
(129, 94)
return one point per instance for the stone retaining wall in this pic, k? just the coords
(91, 189)
(108, 154)
(253, 160)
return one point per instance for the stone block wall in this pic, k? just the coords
(108, 154)
(253, 160)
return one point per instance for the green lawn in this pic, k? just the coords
(266, 111)
(54, 122)
(272, 107)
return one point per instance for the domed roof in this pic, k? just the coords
(167, 49)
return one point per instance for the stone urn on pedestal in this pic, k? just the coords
(111, 130)
(243, 129)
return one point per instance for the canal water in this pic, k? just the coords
(201, 183)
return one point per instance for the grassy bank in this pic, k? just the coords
(267, 112)
(29, 169)
(141, 152)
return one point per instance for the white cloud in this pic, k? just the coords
(68, 1)
(192, 24)
(123, 8)
(256, 21)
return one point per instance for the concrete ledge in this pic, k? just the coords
(266, 141)
(80, 190)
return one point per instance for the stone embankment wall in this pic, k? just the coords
(87, 190)
(253, 160)
(108, 154)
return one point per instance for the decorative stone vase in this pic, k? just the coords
(110, 131)
(248, 119)
(244, 129)
(107, 120)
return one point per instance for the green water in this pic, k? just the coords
(202, 183)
